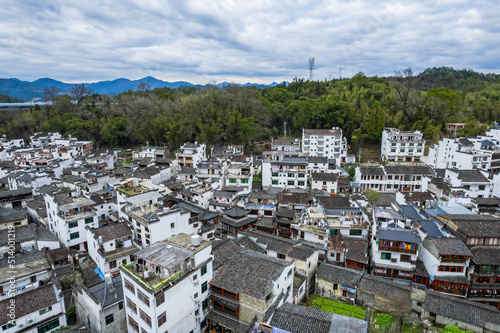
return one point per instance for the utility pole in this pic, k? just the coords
(284, 129)
(359, 156)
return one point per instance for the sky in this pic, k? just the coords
(242, 41)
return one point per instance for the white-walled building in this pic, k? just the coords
(67, 218)
(38, 310)
(191, 154)
(401, 146)
(286, 145)
(166, 288)
(459, 153)
(290, 172)
(325, 142)
(394, 178)
(470, 183)
(324, 181)
(111, 245)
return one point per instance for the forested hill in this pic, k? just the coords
(362, 106)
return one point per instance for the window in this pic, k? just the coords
(274, 174)
(232, 181)
(162, 319)
(204, 270)
(48, 327)
(74, 235)
(300, 183)
(42, 311)
(145, 317)
(281, 256)
(133, 324)
(112, 264)
(405, 258)
(89, 220)
(33, 279)
(143, 297)
(195, 296)
(7, 326)
(455, 269)
(354, 232)
(204, 287)
(301, 175)
(204, 304)
(73, 224)
(109, 319)
(160, 299)
(172, 225)
(120, 305)
(130, 286)
(274, 182)
(291, 182)
(385, 256)
(131, 305)
(244, 181)
(482, 187)
(321, 237)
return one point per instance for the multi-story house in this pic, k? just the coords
(101, 307)
(304, 257)
(110, 245)
(167, 287)
(394, 252)
(481, 234)
(446, 261)
(32, 271)
(262, 203)
(240, 292)
(470, 183)
(325, 142)
(239, 174)
(234, 220)
(459, 153)
(324, 181)
(318, 164)
(151, 221)
(41, 139)
(285, 145)
(38, 310)
(68, 217)
(191, 154)
(401, 146)
(394, 178)
(290, 172)
(211, 170)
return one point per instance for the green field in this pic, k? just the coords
(330, 305)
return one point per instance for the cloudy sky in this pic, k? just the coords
(242, 41)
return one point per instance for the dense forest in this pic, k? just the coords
(362, 106)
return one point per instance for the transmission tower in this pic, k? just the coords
(311, 69)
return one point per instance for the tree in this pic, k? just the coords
(51, 93)
(114, 132)
(404, 82)
(371, 195)
(79, 92)
(143, 88)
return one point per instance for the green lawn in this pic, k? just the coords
(384, 322)
(327, 304)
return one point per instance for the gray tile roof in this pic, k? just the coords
(382, 287)
(446, 246)
(474, 225)
(408, 170)
(470, 312)
(250, 273)
(401, 235)
(9, 214)
(22, 234)
(324, 177)
(301, 319)
(29, 302)
(317, 159)
(112, 231)
(248, 243)
(357, 249)
(372, 171)
(335, 201)
(236, 212)
(472, 176)
(282, 245)
(224, 249)
(338, 274)
(486, 255)
(103, 294)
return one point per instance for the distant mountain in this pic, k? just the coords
(27, 91)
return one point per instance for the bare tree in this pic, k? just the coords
(79, 92)
(404, 83)
(51, 93)
(143, 88)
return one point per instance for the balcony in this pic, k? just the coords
(396, 249)
(221, 309)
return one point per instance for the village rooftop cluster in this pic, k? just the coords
(216, 240)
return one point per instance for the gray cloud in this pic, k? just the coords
(257, 41)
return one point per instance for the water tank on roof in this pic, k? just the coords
(195, 240)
